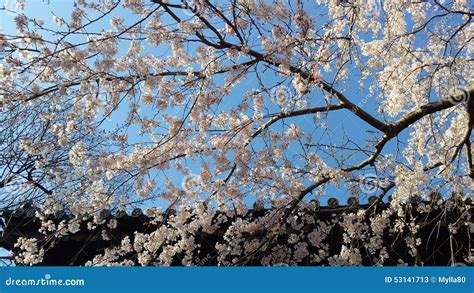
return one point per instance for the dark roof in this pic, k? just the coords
(78, 248)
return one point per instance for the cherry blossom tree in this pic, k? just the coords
(200, 109)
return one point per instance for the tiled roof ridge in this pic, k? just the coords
(333, 205)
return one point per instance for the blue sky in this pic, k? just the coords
(338, 121)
